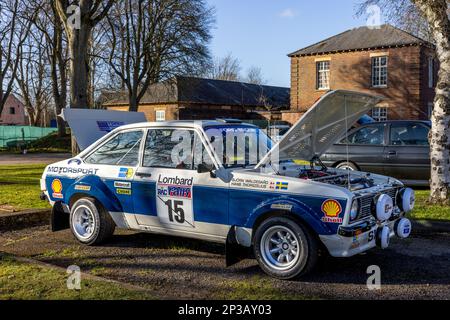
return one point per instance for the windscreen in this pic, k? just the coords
(239, 145)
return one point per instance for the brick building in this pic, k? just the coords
(13, 112)
(189, 98)
(386, 61)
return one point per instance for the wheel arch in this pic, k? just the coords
(350, 161)
(294, 209)
(97, 190)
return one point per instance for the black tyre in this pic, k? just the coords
(284, 248)
(347, 166)
(90, 223)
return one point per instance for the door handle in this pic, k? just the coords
(143, 174)
(391, 154)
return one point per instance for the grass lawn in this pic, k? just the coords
(423, 210)
(19, 188)
(24, 281)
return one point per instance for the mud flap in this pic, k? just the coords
(234, 252)
(59, 219)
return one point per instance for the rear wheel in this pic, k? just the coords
(90, 223)
(285, 249)
(347, 166)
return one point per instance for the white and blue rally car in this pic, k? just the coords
(233, 187)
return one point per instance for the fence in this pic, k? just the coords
(13, 136)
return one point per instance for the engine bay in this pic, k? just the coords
(346, 180)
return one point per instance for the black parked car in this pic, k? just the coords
(394, 148)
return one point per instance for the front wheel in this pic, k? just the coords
(284, 248)
(90, 223)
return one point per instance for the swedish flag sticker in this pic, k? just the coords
(282, 186)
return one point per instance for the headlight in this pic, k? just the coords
(354, 210)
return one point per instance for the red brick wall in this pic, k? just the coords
(18, 118)
(291, 116)
(352, 71)
(427, 93)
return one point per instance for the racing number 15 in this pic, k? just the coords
(175, 207)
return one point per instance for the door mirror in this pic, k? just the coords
(203, 168)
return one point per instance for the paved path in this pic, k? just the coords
(415, 268)
(32, 158)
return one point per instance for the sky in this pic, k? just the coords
(262, 32)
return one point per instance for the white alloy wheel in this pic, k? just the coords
(280, 248)
(83, 222)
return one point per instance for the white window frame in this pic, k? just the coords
(430, 72)
(377, 69)
(160, 115)
(323, 75)
(380, 113)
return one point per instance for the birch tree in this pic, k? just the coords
(436, 15)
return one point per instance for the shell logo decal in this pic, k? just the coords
(57, 189)
(57, 186)
(332, 209)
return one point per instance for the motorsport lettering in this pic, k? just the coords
(68, 170)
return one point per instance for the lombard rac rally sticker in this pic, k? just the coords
(332, 209)
(174, 201)
(57, 189)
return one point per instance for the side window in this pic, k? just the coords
(169, 148)
(370, 135)
(122, 149)
(413, 134)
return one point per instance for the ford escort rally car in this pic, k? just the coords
(233, 186)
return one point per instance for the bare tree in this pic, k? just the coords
(225, 68)
(16, 17)
(33, 78)
(154, 40)
(436, 14)
(79, 18)
(50, 27)
(410, 19)
(255, 76)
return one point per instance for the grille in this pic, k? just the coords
(365, 202)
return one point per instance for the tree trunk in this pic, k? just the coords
(436, 14)
(133, 102)
(79, 81)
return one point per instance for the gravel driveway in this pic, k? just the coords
(416, 268)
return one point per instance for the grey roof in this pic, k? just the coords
(362, 38)
(206, 91)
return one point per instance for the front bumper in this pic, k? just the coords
(353, 240)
